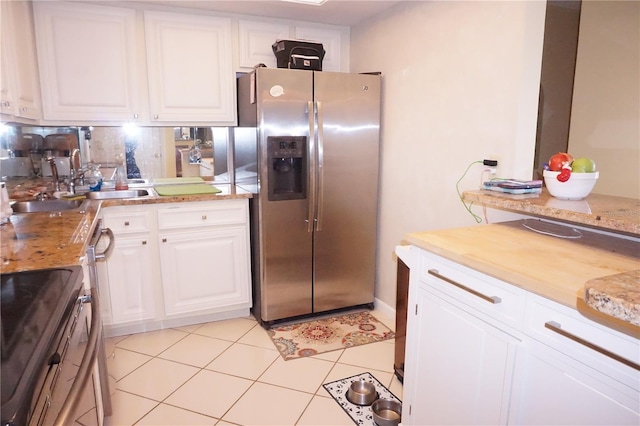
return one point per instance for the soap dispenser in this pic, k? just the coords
(95, 177)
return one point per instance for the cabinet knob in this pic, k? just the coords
(6, 104)
(126, 223)
(23, 109)
(135, 116)
(155, 116)
(164, 240)
(144, 243)
(204, 217)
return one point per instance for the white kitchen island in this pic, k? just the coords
(495, 333)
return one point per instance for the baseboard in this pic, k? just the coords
(387, 310)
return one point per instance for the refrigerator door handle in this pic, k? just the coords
(312, 166)
(320, 168)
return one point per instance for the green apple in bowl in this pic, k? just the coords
(583, 165)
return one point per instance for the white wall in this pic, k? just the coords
(460, 84)
(605, 117)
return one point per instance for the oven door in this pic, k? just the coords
(70, 379)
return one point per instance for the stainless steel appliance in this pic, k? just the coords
(312, 163)
(50, 342)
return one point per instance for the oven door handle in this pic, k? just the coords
(101, 257)
(88, 361)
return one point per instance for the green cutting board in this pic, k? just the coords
(187, 189)
(179, 180)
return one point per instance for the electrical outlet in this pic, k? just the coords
(495, 169)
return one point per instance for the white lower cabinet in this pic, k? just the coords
(481, 351)
(130, 280)
(176, 264)
(552, 388)
(204, 270)
(461, 366)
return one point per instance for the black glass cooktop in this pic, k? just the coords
(33, 305)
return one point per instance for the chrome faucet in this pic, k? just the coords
(54, 173)
(76, 173)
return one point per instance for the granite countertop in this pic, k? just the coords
(616, 214)
(49, 240)
(576, 272)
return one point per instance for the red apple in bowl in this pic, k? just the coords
(557, 161)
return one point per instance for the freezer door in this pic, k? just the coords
(348, 114)
(285, 273)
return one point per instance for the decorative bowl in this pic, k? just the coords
(577, 187)
(362, 392)
(386, 412)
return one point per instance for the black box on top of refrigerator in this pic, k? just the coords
(298, 54)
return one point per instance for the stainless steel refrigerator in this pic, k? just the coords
(308, 147)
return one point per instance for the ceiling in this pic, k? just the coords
(337, 12)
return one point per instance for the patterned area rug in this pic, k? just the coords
(328, 334)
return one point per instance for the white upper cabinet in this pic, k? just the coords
(190, 69)
(102, 64)
(88, 62)
(331, 40)
(19, 85)
(255, 39)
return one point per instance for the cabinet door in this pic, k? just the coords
(130, 280)
(458, 368)
(255, 40)
(207, 270)
(87, 58)
(189, 65)
(553, 389)
(20, 89)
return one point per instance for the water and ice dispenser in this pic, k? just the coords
(287, 160)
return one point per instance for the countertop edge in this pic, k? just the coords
(616, 214)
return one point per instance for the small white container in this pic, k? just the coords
(5, 206)
(577, 187)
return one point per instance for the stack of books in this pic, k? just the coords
(513, 186)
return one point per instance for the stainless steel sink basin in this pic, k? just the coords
(113, 195)
(34, 206)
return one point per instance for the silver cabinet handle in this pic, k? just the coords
(490, 299)
(557, 328)
(100, 257)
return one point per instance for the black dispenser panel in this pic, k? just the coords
(287, 159)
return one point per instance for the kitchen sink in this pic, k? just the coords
(43, 206)
(117, 194)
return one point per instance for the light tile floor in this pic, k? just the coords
(230, 373)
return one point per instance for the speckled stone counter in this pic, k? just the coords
(46, 240)
(616, 214)
(615, 295)
(50, 240)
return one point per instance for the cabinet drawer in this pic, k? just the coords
(593, 344)
(496, 298)
(220, 213)
(126, 223)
